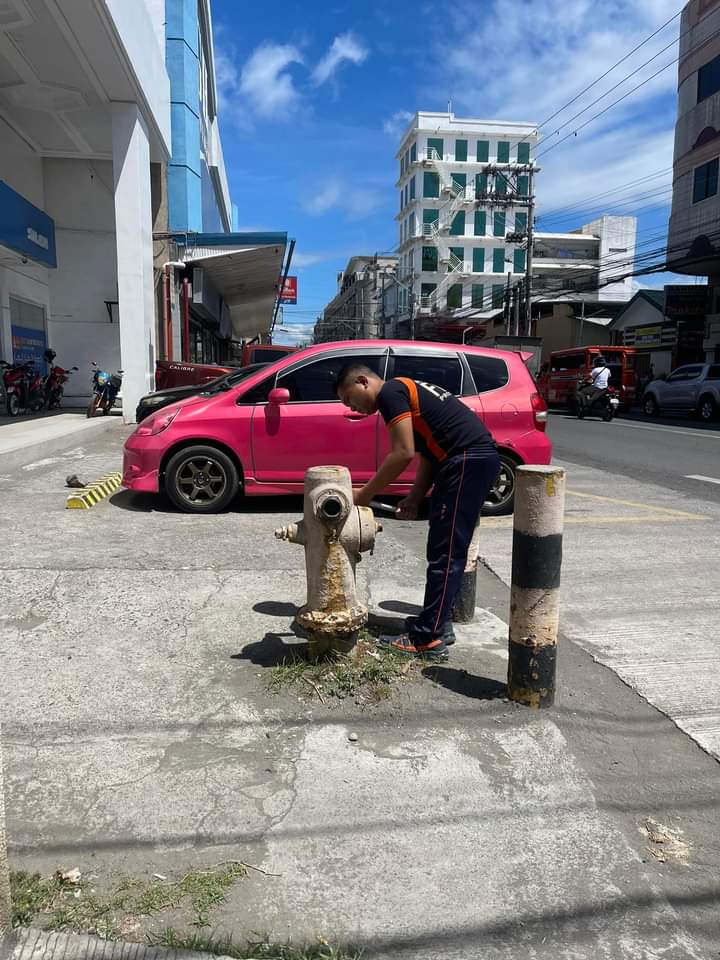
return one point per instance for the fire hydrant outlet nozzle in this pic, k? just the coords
(334, 533)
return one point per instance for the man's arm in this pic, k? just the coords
(399, 458)
(424, 478)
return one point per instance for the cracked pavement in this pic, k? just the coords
(139, 737)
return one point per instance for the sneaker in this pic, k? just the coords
(448, 633)
(434, 650)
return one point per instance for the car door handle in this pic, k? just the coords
(355, 416)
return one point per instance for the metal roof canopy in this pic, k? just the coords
(245, 271)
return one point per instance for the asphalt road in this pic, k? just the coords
(667, 452)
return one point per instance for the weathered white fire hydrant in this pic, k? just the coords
(334, 533)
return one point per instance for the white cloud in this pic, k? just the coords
(324, 199)
(355, 202)
(265, 83)
(302, 260)
(345, 47)
(395, 125)
(291, 333)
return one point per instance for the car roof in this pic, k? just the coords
(419, 345)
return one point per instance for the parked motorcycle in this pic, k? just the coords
(23, 388)
(106, 387)
(605, 406)
(54, 383)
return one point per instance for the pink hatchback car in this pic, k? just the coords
(262, 435)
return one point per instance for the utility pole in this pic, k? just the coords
(529, 258)
(582, 323)
(518, 292)
(508, 305)
(411, 305)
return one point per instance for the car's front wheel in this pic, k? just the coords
(707, 409)
(201, 479)
(650, 406)
(501, 498)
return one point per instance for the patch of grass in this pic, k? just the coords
(81, 908)
(262, 949)
(368, 673)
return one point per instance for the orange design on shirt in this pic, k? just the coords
(418, 423)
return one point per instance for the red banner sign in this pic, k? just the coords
(288, 294)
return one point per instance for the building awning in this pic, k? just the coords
(245, 271)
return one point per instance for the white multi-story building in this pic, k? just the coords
(464, 185)
(694, 232)
(585, 262)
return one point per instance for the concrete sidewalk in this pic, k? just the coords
(141, 738)
(24, 440)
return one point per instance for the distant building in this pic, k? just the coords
(694, 232)
(464, 184)
(356, 312)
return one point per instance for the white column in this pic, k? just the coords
(133, 226)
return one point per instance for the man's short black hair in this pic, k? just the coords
(352, 370)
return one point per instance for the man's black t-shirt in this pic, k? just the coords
(443, 426)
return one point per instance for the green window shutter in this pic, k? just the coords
(457, 227)
(499, 260)
(483, 151)
(499, 225)
(481, 184)
(459, 252)
(429, 259)
(520, 222)
(427, 288)
(437, 144)
(461, 150)
(454, 296)
(478, 259)
(431, 184)
(480, 223)
(523, 185)
(503, 152)
(523, 155)
(478, 295)
(412, 189)
(519, 261)
(498, 295)
(500, 185)
(460, 179)
(413, 153)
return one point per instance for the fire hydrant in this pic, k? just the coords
(334, 533)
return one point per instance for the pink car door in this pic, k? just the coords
(314, 428)
(430, 365)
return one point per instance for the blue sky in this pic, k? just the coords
(314, 97)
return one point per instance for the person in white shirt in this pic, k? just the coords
(599, 379)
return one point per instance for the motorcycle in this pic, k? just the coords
(54, 383)
(23, 388)
(605, 406)
(106, 387)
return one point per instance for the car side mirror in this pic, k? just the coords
(279, 396)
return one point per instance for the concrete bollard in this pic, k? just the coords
(334, 533)
(464, 609)
(5, 904)
(536, 562)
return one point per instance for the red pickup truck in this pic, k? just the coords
(177, 373)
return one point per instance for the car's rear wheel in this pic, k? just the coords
(201, 479)
(501, 498)
(707, 409)
(650, 406)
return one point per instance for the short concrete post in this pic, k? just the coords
(464, 609)
(5, 905)
(536, 562)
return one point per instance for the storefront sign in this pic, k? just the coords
(686, 300)
(288, 294)
(648, 336)
(26, 229)
(29, 344)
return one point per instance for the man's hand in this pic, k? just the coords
(361, 498)
(408, 509)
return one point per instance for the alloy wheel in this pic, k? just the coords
(201, 480)
(503, 490)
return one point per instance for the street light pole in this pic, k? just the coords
(529, 258)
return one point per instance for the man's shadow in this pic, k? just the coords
(273, 650)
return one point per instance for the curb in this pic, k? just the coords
(31, 944)
(87, 497)
(28, 448)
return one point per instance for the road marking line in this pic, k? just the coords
(570, 521)
(640, 506)
(697, 476)
(711, 435)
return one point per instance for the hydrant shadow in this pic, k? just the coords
(466, 684)
(273, 650)
(276, 608)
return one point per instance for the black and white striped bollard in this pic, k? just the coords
(534, 606)
(464, 607)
